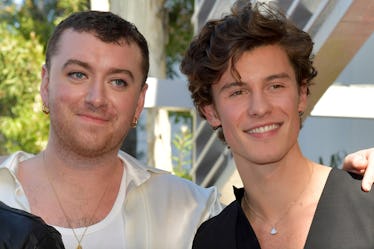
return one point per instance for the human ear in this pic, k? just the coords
(211, 115)
(44, 86)
(303, 98)
(141, 100)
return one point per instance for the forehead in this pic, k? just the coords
(259, 62)
(71, 40)
(264, 59)
(87, 47)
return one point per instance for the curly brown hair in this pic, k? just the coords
(221, 42)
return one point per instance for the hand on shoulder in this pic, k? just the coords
(361, 162)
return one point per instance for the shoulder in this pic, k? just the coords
(344, 181)
(179, 184)
(166, 187)
(9, 164)
(9, 183)
(162, 187)
(225, 220)
(219, 231)
(20, 227)
(162, 183)
(344, 203)
(345, 186)
(11, 161)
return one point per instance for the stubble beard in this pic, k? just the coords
(85, 143)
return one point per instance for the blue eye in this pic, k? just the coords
(77, 75)
(119, 83)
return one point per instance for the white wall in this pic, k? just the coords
(361, 69)
(322, 136)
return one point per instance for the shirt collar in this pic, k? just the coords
(137, 173)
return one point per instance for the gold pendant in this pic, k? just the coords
(79, 246)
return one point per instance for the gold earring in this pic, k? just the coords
(134, 123)
(45, 109)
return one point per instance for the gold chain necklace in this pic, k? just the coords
(90, 221)
(273, 231)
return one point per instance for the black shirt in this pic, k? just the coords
(22, 230)
(344, 219)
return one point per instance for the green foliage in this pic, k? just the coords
(183, 143)
(180, 31)
(24, 31)
(21, 124)
(40, 16)
(184, 117)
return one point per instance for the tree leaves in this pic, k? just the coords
(180, 31)
(24, 31)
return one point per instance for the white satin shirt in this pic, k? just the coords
(153, 210)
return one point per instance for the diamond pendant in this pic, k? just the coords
(79, 246)
(273, 231)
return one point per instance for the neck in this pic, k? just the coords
(80, 155)
(270, 189)
(90, 191)
(82, 173)
(67, 158)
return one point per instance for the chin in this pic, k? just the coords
(91, 151)
(266, 159)
(92, 146)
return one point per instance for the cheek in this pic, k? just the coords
(123, 101)
(65, 95)
(231, 117)
(288, 103)
(125, 105)
(63, 98)
(234, 111)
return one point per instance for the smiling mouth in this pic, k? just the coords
(93, 118)
(263, 129)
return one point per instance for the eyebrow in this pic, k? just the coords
(268, 78)
(278, 76)
(76, 62)
(122, 71)
(88, 67)
(231, 84)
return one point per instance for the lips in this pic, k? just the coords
(93, 117)
(263, 129)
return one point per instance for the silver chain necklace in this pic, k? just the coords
(273, 226)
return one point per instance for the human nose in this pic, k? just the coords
(259, 104)
(96, 95)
